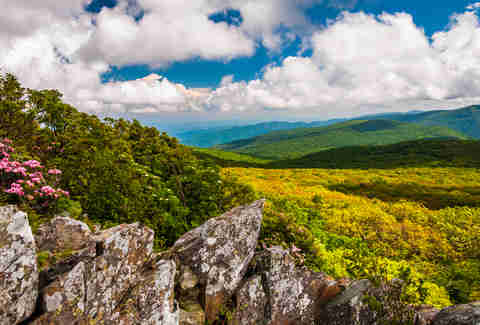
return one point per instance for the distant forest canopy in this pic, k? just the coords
(210, 137)
(464, 120)
(289, 144)
(426, 153)
(115, 171)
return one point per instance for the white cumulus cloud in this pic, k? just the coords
(56, 44)
(473, 6)
(360, 62)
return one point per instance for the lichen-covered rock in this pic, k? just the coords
(281, 292)
(63, 243)
(94, 288)
(252, 303)
(151, 302)
(18, 267)
(467, 314)
(219, 252)
(425, 315)
(61, 234)
(348, 307)
(363, 303)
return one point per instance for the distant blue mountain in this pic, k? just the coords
(465, 120)
(210, 137)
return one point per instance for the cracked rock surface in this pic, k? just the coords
(95, 287)
(467, 314)
(281, 292)
(18, 267)
(212, 274)
(219, 252)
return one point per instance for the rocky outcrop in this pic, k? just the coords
(282, 293)
(219, 252)
(468, 314)
(61, 234)
(212, 274)
(95, 288)
(152, 300)
(18, 267)
(363, 303)
(425, 315)
(63, 243)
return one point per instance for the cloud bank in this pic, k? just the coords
(359, 62)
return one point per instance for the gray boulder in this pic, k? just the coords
(18, 267)
(467, 314)
(219, 252)
(151, 302)
(425, 315)
(95, 287)
(61, 234)
(363, 303)
(281, 292)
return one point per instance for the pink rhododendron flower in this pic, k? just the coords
(20, 170)
(48, 190)
(14, 174)
(36, 180)
(15, 188)
(32, 164)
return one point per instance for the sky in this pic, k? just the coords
(192, 61)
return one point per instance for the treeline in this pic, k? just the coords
(114, 171)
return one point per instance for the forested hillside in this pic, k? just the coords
(417, 153)
(211, 137)
(425, 153)
(465, 120)
(299, 142)
(55, 159)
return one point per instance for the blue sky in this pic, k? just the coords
(184, 61)
(208, 73)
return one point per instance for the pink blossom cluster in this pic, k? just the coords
(25, 179)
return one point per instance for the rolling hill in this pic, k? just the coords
(465, 120)
(205, 138)
(290, 144)
(418, 153)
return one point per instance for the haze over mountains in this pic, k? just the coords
(464, 120)
(205, 138)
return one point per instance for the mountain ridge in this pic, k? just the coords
(289, 144)
(465, 120)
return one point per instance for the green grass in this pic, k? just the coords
(292, 144)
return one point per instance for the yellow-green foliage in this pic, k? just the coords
(418, 224)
